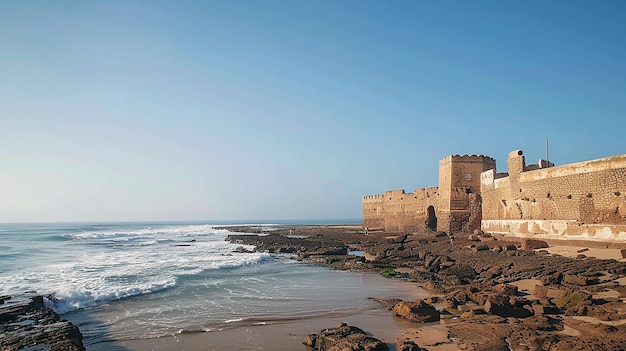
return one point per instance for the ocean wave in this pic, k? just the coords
(59, 237)
(168, 231)
(71, 300)
(94, 264)
(100, 277)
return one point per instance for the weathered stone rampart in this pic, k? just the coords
(584, 200)
(397, 210)
(446, 207)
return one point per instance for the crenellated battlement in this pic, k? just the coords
(376, 197)
(467, 158)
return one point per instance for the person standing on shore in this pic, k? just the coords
(366, 230)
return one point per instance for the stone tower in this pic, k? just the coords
(459, 183)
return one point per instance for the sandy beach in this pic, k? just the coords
(586, 250)
(280, 336)
(288, 334)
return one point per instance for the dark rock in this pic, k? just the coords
(543, 292)
(479, 248)
(579, 280)
(343, 337)
(533, 244)
(506, 289)
(463, 272)
(331, 251)
(4, 298)
(554, 278)
(572, 298)
(408, 345)
(31, 325)
(435, 265)
(416, 311)
(500, 305)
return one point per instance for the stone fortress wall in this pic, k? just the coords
(585, 200)
(397, 210)
(446, 207)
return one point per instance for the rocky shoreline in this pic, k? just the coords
(487, 293)
(490, 293)
(27, 324)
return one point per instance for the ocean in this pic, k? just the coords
(125, 281)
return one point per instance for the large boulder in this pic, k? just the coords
(572, 298)
(579, 280)
(543, 292)
(500, 305)
(29, 324)
(343, 337)
(506, 289)
(408, 345)
(416, 311)
(533, 244)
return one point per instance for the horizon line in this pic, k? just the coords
(212, 221)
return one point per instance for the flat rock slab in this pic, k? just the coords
(28, 325)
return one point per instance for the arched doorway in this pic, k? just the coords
(431, 219)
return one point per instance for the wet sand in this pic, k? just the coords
(279, 337)
(288, 335)
(588, 251)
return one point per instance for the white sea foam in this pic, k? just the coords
(169, 231)
(68, 300)
(103, 265)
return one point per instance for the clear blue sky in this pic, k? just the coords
(182, 110)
